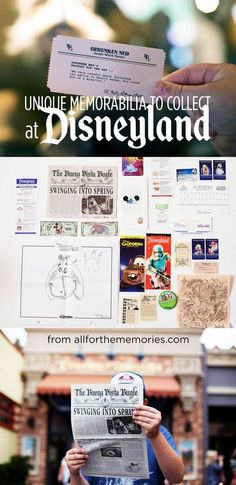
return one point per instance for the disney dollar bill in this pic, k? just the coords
(99, 228)
(58, 228)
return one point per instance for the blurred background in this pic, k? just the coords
(192, 31)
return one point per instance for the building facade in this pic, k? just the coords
(11, 395)
(174, 384)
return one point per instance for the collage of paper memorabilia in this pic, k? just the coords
(117, 242)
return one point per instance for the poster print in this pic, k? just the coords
(158, 261)
(60, 283)
(132, 263)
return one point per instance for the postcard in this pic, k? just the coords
(198, 249)
(212, 248)
(206, 267)
(96, 68)
(205, 169)
(219, 169)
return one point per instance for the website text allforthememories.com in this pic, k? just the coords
(106, 339)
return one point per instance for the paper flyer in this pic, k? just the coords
(26, 206)
(132, 263)
(158, 261)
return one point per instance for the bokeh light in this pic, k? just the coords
(207, 6)
(180, 56)
(144, 10)
(138, 10)
(233, 12)
(182, 33)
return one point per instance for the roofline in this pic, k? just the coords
(21, 352)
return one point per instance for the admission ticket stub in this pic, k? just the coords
(95, 68)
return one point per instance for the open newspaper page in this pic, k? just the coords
(102, 423)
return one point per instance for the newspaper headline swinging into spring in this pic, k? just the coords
(102, 423)
(82, 192)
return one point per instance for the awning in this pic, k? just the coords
(61, 384)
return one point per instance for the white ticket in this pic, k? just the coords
(95, 68)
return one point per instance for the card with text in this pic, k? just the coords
(96, 68)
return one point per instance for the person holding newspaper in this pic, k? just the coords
(163, 459)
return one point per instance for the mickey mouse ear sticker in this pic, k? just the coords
(167, 300)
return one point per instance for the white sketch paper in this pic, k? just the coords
(66, 283)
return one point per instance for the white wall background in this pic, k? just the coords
(224, 228)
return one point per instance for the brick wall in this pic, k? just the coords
(38, 416)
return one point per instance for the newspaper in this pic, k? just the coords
(102, 423)
(130, 310)
(148, 308)
(136, 309)
(75, 192)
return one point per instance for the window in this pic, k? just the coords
(7, 412)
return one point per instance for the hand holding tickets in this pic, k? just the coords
(95, 68)
(217, 81)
